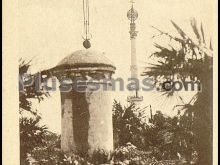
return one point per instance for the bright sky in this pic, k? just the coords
(51, 30)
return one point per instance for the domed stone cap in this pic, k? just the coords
(85, 60)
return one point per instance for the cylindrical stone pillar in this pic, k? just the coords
(86, 113)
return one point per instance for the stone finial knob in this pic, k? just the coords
(87, 44)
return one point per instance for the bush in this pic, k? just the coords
(31, 135)
(131, 155)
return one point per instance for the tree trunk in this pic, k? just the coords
(204, 120)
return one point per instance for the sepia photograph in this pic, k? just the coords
(111, 82)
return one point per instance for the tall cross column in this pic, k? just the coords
(132, 16)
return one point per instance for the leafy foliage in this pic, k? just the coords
(162, 139)
(159, 140)
(124, 155)
(28, 88)
(127, 126)
(32, 134)
(185, 59)
(189, 59)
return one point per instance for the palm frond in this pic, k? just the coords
(195, 29)
(203, 35)
(180, 40)
(179, 30)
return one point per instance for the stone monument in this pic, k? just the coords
(86, 114)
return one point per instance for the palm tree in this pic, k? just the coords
(187, 59)
(27, 92)
(32, 134)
